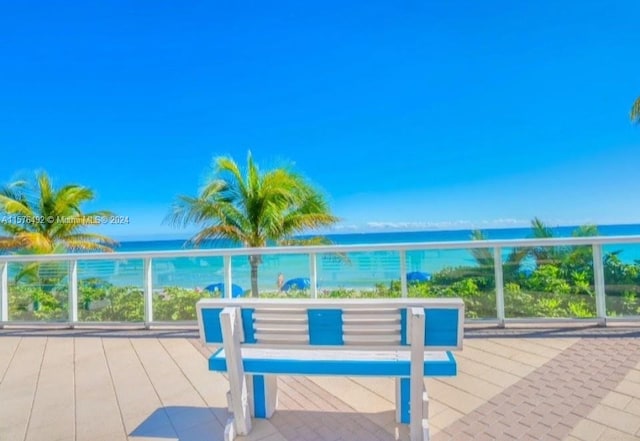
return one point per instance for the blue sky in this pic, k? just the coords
(408, 114)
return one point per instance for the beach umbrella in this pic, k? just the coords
(418, 276)
(236, 290)
(297, 283)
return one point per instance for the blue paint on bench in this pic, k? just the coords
(259, 399)
(211, 325)
(371, 368)
(325, 326)
(247, 325)
(403, 327)
(441, 327)
(405, 400)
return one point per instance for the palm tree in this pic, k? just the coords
(635, 111)
(485, 261)
(579, 259)
(38, 218)
(254, 209)
(568, 258)
(543, 255)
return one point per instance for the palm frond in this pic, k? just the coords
(223, 232)
(55, 216)
(72, 244)
(15, 204)
(635, 111)
(226, 170)
(305, 241)
(483, 256)
(35, 242)
(10, 243)
(69, 198)
(92, 237)
(539, 229)
(587, 230)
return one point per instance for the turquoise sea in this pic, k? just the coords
(351, 271)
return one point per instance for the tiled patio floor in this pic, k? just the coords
(569, 384)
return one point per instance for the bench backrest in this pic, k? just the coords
(344, 323)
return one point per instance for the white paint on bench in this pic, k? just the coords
(230, 319)
(331, 354)
(416, 409)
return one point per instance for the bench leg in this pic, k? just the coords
(263, 395)
(403, 407)
(230, 430)
(425, 414)
(403, 396)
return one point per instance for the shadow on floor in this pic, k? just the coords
(185, 423)
(297, 425)
(188, 423)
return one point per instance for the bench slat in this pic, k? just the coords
(281, 328)
(328, 362)
(349, 320)
(274, 338)
(371, 330)
(382, 340)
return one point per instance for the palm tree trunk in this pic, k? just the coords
(254, 262)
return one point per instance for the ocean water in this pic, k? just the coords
(396, 237)
(351, 271)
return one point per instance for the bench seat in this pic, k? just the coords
(373, 363)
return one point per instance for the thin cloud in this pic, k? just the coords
(446, 225)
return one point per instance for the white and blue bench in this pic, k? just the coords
(407, 339)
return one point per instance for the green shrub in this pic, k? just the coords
(176, 304)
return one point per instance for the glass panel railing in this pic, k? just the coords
(38, 291)
(429, 273)
(622, 280)
(110, 290)
(179, 282)
(358, 274)
(539, 281)
(284, 276)
(241, 275)
(457, 273)
(554, 282)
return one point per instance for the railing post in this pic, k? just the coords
(73, 292)
(599, 284)
(313, 272)
(148, 292)
(499, 279)
(227, 277)
(403, 274)
(4, 293)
